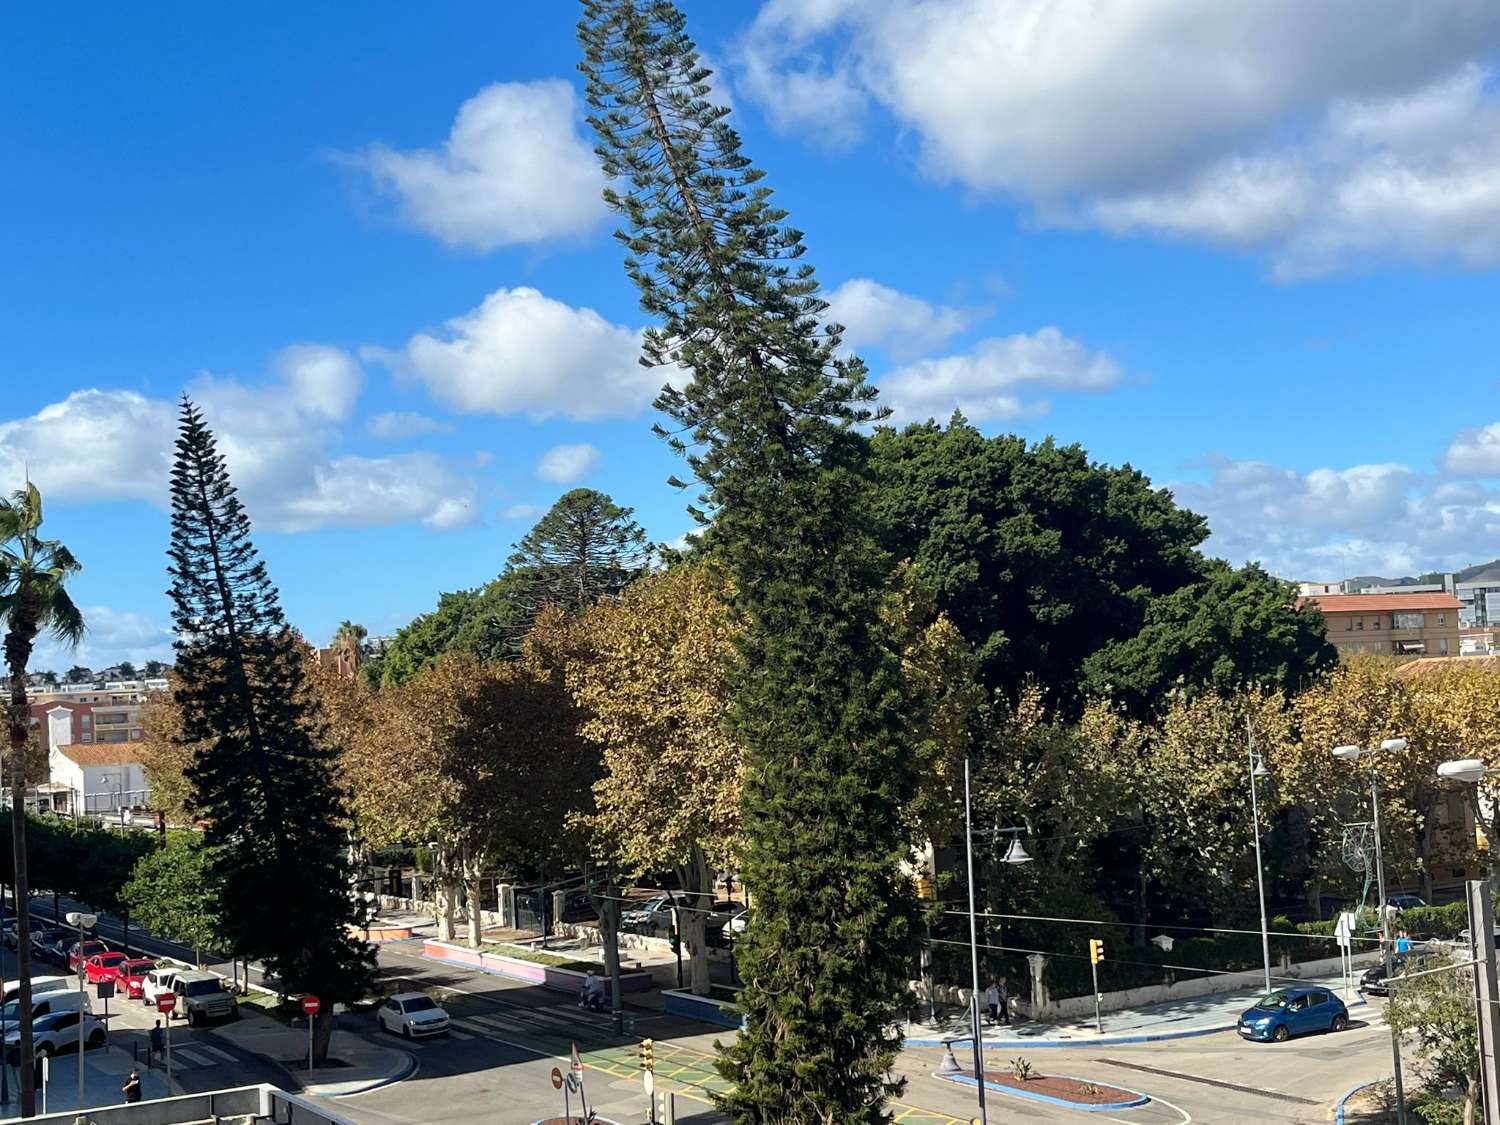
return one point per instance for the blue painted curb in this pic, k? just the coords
(1047, 1099)
(1095, 1040)
(1338, 1111)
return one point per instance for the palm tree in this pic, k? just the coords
(33, 571)
(348, 646)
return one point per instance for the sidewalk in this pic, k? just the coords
(104, 1072)
(365, 1066)
(1181, 1019)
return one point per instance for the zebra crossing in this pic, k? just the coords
(523, 1022)
(199, 1054)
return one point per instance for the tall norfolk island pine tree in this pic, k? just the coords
(767, 425)
(263, 776)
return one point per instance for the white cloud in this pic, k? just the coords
(993, 380)
(393, 425)
(521, 512)
(875, 315)
(514, 169)
(1332, 135)
(1475, 452)
(521, 352)
(1327, 524)
(566, 464)
(277, 437)
(113, 635)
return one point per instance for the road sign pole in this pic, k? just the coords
(1098, 1018)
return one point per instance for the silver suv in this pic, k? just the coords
(202, 997)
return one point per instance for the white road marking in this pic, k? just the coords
(192, 1058)
(215, 1052)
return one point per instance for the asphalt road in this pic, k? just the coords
(509, 1036)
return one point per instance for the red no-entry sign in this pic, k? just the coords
(166, 1001)
(311, 1005)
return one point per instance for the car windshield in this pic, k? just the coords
(420, 1004)
(201, 988)
(1272, 1001)
(111, 958)
(136, 968)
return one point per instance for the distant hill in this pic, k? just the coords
(1467, 574)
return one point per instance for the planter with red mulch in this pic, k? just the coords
(1058, 1089)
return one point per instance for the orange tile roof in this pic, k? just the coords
(102, 754)
(1380, 603)
(1437, 665)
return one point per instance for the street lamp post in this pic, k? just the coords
(1471, 771)
(1258, 770)
(1354, 754)
(1015, 854)
(83, 922)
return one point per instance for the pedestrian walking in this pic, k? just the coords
(157, 1044)
(1004, 1001)
(132, 1087)
(992, 1000)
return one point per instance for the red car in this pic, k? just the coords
(104, 966)
(82, 951)
(130, 977)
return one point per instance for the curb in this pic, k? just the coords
(1097, 1040)
(388, 1080)
(1338, 1109)
(1047, 1099)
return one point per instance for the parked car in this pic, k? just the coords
(578, 906)
(131, 977)
(81, 951)
(411, 1015)
(104, 966)
(48, 1003)
(9, 928)
(158, 980)
(1293, 1011)
(1373, 980)
(1463, 934)
(723, 912)
(202, 997)
(57, 1034)
(39, 985)
(651, 917)
(1405, 901)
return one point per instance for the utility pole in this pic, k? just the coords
(1258, 770)
(974, 953)
(1385, 941)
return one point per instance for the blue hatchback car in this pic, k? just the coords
(1293, 1011)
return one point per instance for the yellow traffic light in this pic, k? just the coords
(926, 889)
(1096, 950)
(648, 1055)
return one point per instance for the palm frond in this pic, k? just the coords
(64, 619)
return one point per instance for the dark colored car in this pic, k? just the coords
(1405, 901)
(81, 951)
(1373, 981)
(578, 906)
(45, 942)
(1279, 1015)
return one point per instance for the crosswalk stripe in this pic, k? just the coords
(223, 1056)
(470, 1025)
(192, 1058)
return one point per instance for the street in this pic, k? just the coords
(508, 1036)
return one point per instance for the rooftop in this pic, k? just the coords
(1440, 665)
(104, 754)
(1380, 603)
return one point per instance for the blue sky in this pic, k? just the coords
(1252, 253)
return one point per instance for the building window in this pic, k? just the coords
(1375, 622)
(1442, 619)
(1442, 646)
(114, 719)
(112, 736)
(85, 721)
(1406, 621)
(1349, 624)
(135, 735)
(1359, 623)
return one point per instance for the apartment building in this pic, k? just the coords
(1425, 624)
(93, 714)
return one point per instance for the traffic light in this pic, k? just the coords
(1096, 950)
(673, 941)
(926, 888)
(648, 1055)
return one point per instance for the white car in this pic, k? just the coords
(158, 981)
(57, 1034)
(412, 1015)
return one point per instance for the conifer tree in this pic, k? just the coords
(262, 771)
(767, 425)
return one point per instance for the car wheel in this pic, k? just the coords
(406, 1031)
(95, 1041)
(1340, 1022)
(1281, 1034)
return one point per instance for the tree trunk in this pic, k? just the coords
(444, 891)
(606, 899)
(18, 654)
(322, 1034)
(471, 895)
(694, 904)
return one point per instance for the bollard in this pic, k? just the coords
(949, 1065)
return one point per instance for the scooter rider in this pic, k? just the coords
(592, 995)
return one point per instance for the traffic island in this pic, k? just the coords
(1055, 1089)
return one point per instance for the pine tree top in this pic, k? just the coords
(712, 256)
